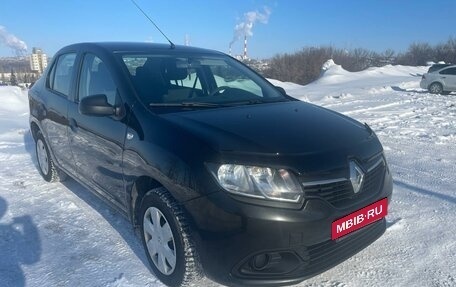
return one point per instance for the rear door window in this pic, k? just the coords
(60, 77)
(449, 71)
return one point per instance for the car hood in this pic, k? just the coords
(293, 127)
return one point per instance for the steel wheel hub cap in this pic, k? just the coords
(159, 240)
(42, 157)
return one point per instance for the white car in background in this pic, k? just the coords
(440, 81)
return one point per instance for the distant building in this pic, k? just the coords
(38, 60)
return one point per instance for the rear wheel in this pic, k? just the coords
(166, 236)
(46, 165)
(436, 88)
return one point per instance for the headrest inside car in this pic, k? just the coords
(172, 72)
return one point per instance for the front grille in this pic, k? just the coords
(321, 256)
(339, 192)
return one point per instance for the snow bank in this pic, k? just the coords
(13, 116)
(335, 82)
(331, 73)
(13, 100)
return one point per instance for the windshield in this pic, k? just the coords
(197, 81)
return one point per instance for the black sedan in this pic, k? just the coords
(223, 173)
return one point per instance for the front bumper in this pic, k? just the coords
(243, 244)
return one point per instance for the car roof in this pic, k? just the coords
(135, 47)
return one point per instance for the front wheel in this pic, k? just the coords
(166, 236)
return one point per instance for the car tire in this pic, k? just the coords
(436, 88)
(46, 165)
(167, 240)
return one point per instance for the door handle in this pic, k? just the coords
(443, 77)
(73, 125)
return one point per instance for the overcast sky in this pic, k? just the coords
(274, 26)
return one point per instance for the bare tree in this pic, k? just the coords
(446, 51)
(13, 79)
(304, 66)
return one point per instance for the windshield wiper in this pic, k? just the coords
(255, 102)
(186, 104)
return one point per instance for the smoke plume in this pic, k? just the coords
(245, 27)
(11, 41)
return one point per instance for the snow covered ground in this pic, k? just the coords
(61, 235)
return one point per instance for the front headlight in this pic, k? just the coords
(260, 182)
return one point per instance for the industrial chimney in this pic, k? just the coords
(245, 47)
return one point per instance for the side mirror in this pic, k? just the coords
(281, 90)
(96, 105)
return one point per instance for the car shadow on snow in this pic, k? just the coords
(20, 244)
(121, 224)
(399, 89)
(389, 223)
(420, 91)
(447, 198)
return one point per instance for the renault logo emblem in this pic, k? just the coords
(356, 176)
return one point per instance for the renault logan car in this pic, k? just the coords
(224, 175)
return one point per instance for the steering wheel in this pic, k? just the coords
(219, 89)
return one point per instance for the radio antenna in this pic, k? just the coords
(153, 23)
